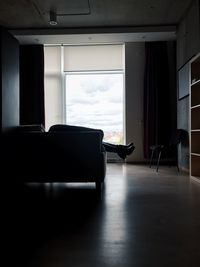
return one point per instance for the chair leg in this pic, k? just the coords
(158, 162)
(152, 152)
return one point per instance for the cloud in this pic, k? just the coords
(82, 101)
(95, 101)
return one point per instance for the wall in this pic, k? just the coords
(188, 44)
(31, 84)
(134, 78)
(9, 80)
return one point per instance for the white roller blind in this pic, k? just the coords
(52, 57)
(53, 85)
(93, 57)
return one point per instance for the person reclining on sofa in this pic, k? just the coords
(122, 150)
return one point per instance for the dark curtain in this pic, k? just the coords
(32, 84)
(157, 96)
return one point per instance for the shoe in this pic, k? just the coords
(130, 144)
(130, 149)
(124, 151)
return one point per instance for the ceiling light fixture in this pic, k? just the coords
(53, 18)
(53, 15)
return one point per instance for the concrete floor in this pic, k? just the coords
(144, 219)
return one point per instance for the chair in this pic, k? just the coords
(169, 148)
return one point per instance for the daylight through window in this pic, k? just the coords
(96, 100)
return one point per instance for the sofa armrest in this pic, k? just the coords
(79, 153)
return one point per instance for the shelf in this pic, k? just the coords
(197, 106)
(195, 130)
(195, 119)
(195, 154)
(195, 83)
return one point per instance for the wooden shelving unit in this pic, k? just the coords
(195, 118)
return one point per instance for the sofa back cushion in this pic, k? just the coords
(72, 128)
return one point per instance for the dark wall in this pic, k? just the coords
(32, 84)
(9, 67)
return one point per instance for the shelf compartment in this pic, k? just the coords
(195, 166)
(195, 94)
(195, 118)
(195, 142)
(195, 70)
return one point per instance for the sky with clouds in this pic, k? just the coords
(95, 100)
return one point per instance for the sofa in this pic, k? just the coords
(31, 154)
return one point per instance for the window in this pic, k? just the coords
(95, 99)
(84, 85)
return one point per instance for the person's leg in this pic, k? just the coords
(114, 148)
(122, 150)
(110, 147)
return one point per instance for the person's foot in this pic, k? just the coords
(124, 151)
(130, 144)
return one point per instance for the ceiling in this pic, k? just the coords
(74, 17)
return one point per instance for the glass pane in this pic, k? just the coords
(96, 101)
